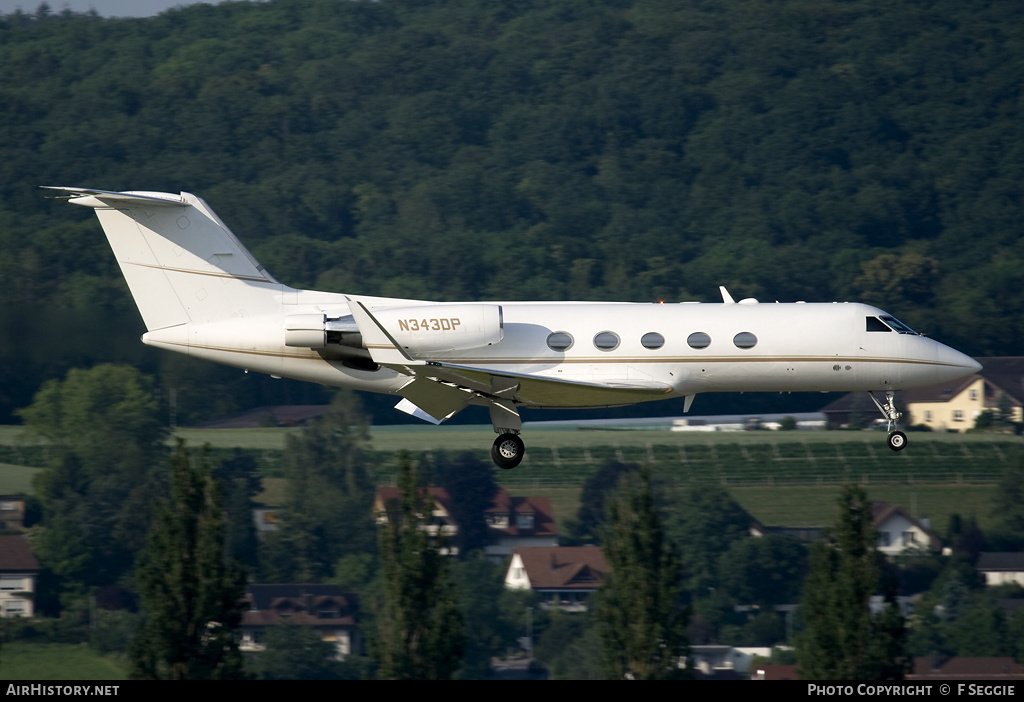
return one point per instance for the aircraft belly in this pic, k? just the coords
(568, 395)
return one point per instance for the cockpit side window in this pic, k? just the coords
(876, 325)
(897, 325)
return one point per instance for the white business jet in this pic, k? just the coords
(200, 292)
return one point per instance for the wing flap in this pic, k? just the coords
(539, 391)
(437, 399)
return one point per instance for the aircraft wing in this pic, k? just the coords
(535, 390)
(441, 389)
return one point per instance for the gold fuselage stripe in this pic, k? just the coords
(606, 360)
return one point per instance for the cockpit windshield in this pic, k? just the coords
(897, 325)
(885, 322)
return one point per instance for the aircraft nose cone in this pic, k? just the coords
(956, 364)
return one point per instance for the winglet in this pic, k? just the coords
(726, 297)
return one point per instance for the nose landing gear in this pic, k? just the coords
(897, 440)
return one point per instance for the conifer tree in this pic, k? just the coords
(191, 596)
(841, 639)
(641, 620)
(419, 626)
(470, 485)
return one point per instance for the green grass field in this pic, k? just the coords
(16, 480)
(44, 661)
(780, 477)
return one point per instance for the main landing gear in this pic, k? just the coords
(508, 449)
(897, 440)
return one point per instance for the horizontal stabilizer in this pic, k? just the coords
(109, 198)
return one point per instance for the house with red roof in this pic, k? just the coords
(327, 610)
(564, 575)
(512, 522)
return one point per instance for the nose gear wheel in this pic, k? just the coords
(896, 440)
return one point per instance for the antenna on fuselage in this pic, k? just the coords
(726, 297)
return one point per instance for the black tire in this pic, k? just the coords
(897, 441)
(507, 451)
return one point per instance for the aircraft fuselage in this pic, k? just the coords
(797, 347)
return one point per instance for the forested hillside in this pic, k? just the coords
(547, 149)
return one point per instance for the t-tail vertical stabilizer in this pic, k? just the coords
(181, 262)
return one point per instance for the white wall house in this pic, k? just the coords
(18, 572)
(899, 533)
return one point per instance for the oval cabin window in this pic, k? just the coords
(606, 341)
(652, 340)
(698, 340)
(559, 341)
(745, 340)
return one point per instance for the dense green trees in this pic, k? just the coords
(191, 594)
(764, 571)
(708, 521)
(471, 488)
(842, 640)
(598, 490)
(107, 444)
(1008, 508)
(419, 626)
(328, 514)
(298, 653)
(641, 619)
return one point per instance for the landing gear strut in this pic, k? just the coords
(508, 449)
(897, 440)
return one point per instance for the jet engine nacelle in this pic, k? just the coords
(306, 330)
(431, 329)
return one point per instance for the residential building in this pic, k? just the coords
(519, 522)
(19, 570)
(1001, 568)
(723, 662)
(12, 512)
(512, 522)
(564, 575)
(899, 533)
(324, 608)
(954, 407)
